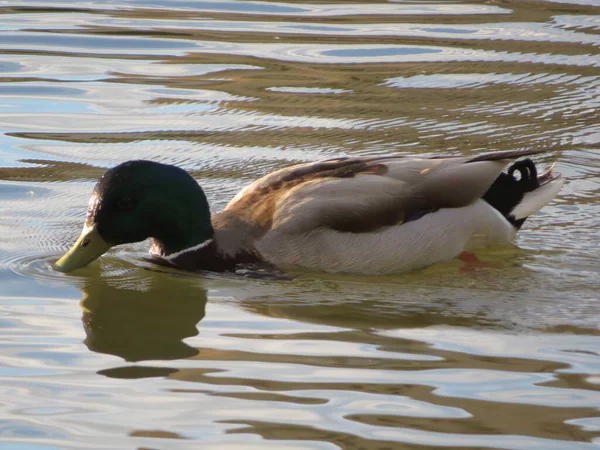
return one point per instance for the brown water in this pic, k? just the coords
(124, 355)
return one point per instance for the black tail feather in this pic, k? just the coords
(507, 191)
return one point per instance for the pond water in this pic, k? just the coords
(123, 354)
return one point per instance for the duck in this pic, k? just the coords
(369, 215)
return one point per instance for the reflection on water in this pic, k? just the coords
(140, 319)
(504, 356)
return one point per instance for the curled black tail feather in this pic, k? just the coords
(507, 191)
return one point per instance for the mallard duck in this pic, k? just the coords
(366, 215)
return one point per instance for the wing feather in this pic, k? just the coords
(364, 194)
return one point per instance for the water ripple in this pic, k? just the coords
(125, 354)
(284, 9)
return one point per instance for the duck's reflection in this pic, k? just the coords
(143, 316)
(442, 295)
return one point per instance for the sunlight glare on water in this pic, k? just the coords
(124, 354)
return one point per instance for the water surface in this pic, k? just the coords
(123, 354)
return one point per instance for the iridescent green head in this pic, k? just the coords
(137, 200)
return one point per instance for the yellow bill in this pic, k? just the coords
(88, 247)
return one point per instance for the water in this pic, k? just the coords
(128, 355)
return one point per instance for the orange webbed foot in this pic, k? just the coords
(472, 262)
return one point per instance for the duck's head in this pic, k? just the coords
(137, 200)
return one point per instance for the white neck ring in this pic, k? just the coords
(190, 249)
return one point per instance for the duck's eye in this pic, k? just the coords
(125, 204)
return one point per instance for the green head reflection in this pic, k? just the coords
(144, 315)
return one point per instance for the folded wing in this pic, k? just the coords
(364, 194)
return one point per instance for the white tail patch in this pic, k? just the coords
(535, 200)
